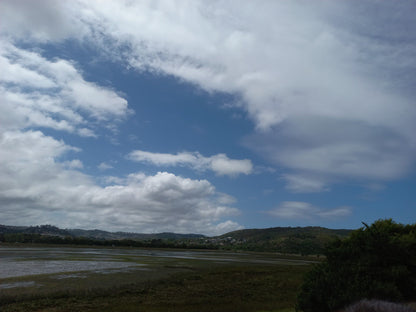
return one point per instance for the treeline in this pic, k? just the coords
(25, 238)
(289, 240)
(286, 240)
(289, 245)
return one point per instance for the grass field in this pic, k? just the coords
(246, 282)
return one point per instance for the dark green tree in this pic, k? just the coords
(374, 262)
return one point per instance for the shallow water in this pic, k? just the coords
(34, 267)
(24, 261)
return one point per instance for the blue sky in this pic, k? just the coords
(204, 117)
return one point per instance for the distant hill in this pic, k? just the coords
(289, 240)
(302, 240)
(98, 234)
(94, 234)
(38, 229)
(276, 232)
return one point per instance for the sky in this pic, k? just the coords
(207, 116)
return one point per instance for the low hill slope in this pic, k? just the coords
(289, 240)
(93, 234)
(38, 229)
(298, 240)
(99, 234)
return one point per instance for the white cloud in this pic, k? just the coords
(328, 85)
(85, 132)
(294, 65)
(223, 165)
(227, 226)
(104, 166)
(226, 199)
(166, 159)
(304, 184)
(302, 210)
(44, 20)
(320, 151)
(17, 74)
(220, 163)
(36, 185)
(38, 92)
(73, 164)
(36, 188)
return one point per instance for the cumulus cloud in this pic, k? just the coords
(36, 188)
(302, 210)
(220, 163)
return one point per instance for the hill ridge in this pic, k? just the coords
(290, 240)
(47, 229)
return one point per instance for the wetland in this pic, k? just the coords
(49, 278)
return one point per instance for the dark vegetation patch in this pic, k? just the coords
(219, 287)
(374, 262)
(309, 240)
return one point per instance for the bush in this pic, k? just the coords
(374, 262)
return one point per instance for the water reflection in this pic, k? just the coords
(33, 267)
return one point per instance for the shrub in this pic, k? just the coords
(374, 262)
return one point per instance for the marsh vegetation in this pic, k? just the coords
(149, 280)
(373, 262)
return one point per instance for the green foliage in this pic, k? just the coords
(290, 240)
(374, 262)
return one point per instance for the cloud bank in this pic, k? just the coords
(38, 188)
